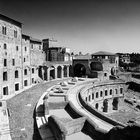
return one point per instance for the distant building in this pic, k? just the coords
(124, 58)
(54, 52)
(99, 65)
(104, 64)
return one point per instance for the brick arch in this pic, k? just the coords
(70, 71)
(79, 70)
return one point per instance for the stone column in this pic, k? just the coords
(67, 71)
(48, 74)
(42, 73)
(62, 72)
(55, 71)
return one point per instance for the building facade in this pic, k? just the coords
(54, 52)
(37, 59)
(11, 56)
(25, 61)
(20, 57)
(99, 65)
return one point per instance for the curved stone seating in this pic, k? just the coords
(64, 83)
(74, 79)
(62, 129)
(58, 90)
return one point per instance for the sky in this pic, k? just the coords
(85, 26)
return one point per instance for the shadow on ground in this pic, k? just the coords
(36, 135)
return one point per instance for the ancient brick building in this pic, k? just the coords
(98, 65)
(20, 57)
(24, 60)
(11, 56)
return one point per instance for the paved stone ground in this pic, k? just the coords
(22, 118)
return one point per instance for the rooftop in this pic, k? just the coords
(82, 56)
(12, 21)
(103, 53)
(34, 40)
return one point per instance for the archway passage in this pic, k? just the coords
(65, 71)
(40, 72)
(52, 73)
(105, 105)
(115, 103)
(59, 72)
(79, 70)
(96, 66)
(70, 71)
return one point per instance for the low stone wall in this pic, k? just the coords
(90, 128)
(61, 130)
(72, 111)
(57, 128)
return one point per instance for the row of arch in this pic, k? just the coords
(53, 72)
(105, 106)
(107, 92)
(104, 100)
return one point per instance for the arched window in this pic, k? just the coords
(116, 91)
(89, 98)
(25, 71)
(121, 90)
(96, 94)
(101, 93)
(110, 91)
(92, 96)
(96, 105)
(16, 74)
(5, 46)
(105, 92)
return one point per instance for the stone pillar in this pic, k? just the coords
(62, 72)
(67, 71)
(48, 74)
(42, 73)
(46, 105)
(55, 71)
